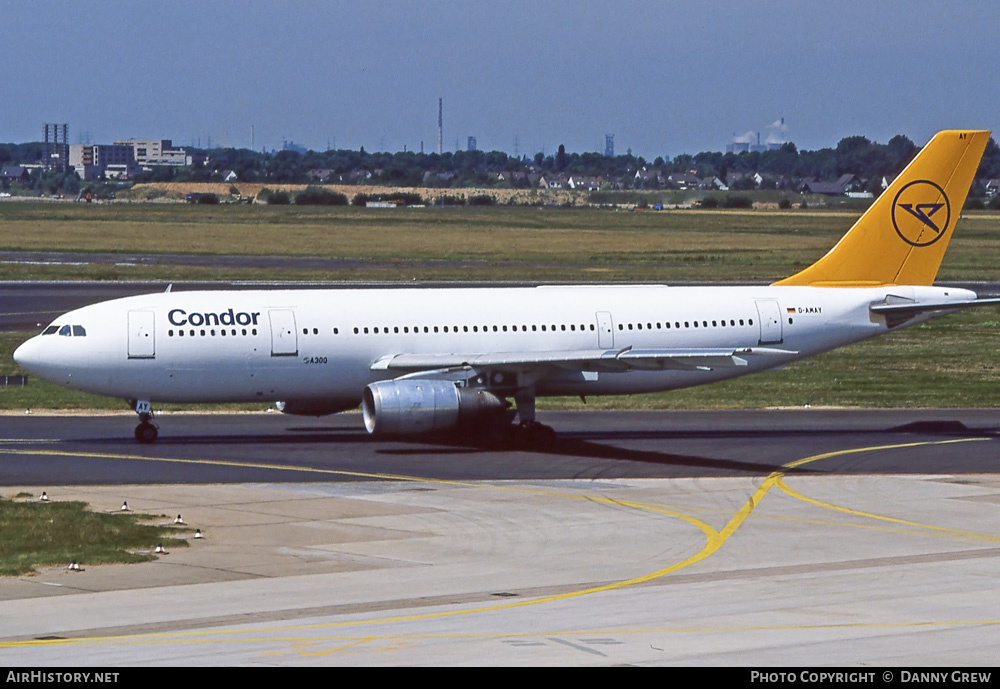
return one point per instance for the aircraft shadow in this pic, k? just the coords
(568, 447)
(588, 446)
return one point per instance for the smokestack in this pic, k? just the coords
(440, 123)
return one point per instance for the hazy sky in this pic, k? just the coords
(664, 77)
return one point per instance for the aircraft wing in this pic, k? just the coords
(897, 313)
(610, 360)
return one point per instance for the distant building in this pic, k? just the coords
(292, 146)
(683, 180)
(843, 185)
(119, 170)
(552, 182)
(744, 181)
(582, 182)
(90, 161)
(324, 176)
(472, 144)
(515, 178)
(713, 182)
(15, 173)
(156, 152)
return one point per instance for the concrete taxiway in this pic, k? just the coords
(720, 538)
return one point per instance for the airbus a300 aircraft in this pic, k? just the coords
(421, 360)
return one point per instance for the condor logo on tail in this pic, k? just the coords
(924, 201)
(913, 209)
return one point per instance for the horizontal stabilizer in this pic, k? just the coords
(896, 314)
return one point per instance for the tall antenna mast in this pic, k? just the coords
(440, 123)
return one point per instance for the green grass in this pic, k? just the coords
(34, 534)
(501, 243)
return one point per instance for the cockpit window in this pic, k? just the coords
(66, 330)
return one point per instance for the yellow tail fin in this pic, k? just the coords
(902, 237)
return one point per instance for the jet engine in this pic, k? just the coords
(401, 407)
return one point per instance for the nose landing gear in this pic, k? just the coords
(146, 431)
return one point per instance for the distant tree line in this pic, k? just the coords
(854, 154)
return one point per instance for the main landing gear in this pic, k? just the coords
(146, 431)
(529, 434)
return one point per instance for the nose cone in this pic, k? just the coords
(28, 357)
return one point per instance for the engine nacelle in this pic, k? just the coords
(402, 407)
(314, 407)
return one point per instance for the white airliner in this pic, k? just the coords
(421, 360)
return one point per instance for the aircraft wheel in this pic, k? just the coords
(541, 436)
(146, 433)
(532, 436)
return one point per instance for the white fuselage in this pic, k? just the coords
(229, 346)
